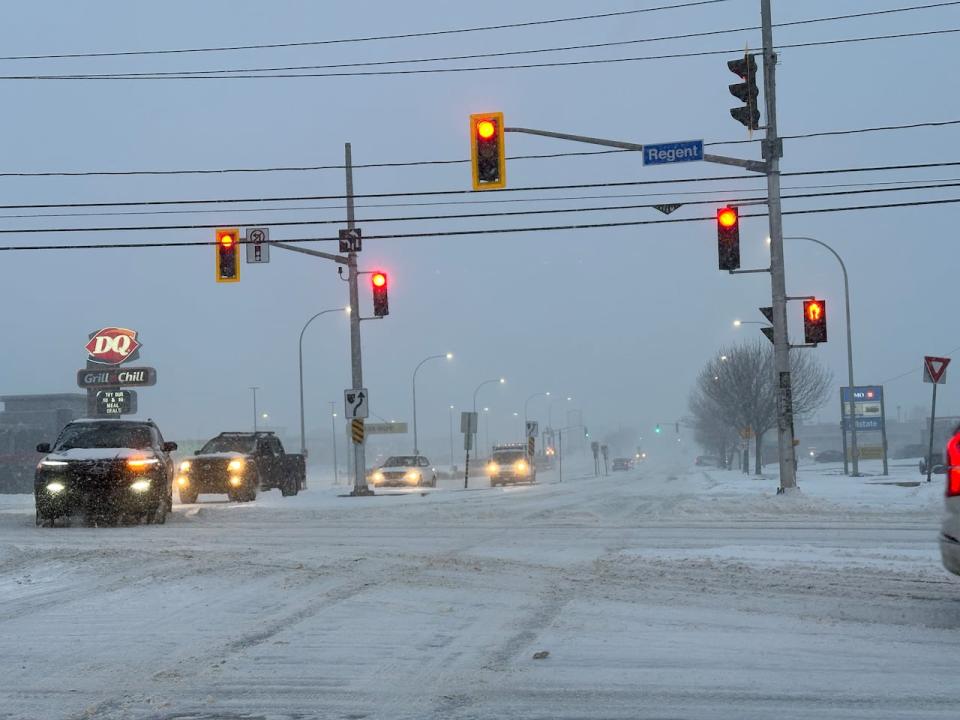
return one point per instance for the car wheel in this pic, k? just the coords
(433, 483)
(188, 497)
(289, 488)
(251, 494)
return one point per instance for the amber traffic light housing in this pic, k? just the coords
(814, 321)
(228, 255)
(728, 238)
(381, 305)
(486, 151)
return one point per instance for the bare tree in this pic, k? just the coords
(711, 429)
(739, 387)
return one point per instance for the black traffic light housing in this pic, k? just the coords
(814, 321)
(381, 305)
(487, 151)
(228, 255)
(728, 238)
(747, 91)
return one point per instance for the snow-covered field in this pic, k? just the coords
(670, 593)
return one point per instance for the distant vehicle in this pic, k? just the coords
(621, 464)
(509, 464)
(827, 456)
(107, 469)
(404, 471)
(708, 461)
(950, 530)
(239, 464)
(913, 450)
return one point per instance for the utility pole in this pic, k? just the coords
(772, 151)
(359, 454)
(254, 389)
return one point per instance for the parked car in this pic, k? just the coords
(913, 450)
(239, 464)
(108, 470)
(950, 530)
(404, 471)
(828, 456)
(622, 464)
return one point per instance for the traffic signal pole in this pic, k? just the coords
(772, 151)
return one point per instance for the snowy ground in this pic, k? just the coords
(670, 593)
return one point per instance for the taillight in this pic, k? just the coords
(953, 482)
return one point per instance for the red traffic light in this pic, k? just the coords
(381, 305)
(379, 280)
(727, 217)
(814, 311)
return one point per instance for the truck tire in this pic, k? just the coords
(251, 494)
(290, 488)
(188, 497)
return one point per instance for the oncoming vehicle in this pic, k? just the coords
(950, 530)
(404, 471)
(509, 464)
(239, 464)
(622, 464)
(107, 469)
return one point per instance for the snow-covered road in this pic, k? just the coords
(656, 594)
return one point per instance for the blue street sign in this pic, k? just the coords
(865, 423)
(675, 152)
(862, 393)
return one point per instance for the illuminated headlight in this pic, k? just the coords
(235, 466)
(141, 463)
(236, 480)
(53, 463)
(378, 476)
(185, 466)
(493, 469)
(182, 481)
(140, 486)
(412, 476)
(521, 467)
(55, 488)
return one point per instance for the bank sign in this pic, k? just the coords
(113, 346)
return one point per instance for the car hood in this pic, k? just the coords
(76, 454)
(399, 468)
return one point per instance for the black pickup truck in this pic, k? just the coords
(239, 464)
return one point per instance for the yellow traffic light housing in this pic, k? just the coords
(487, 151)
(228, 255)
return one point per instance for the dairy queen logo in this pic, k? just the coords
(113, 346)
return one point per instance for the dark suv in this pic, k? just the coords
(108, 470)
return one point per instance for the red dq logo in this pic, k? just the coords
(113, 346)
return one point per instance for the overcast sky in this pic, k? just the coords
(620, 319)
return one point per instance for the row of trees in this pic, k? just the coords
(737, 391)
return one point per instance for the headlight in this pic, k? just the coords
(412, 475)
(53, 463)
(141, 463)
(236, 480)
(521, 467)
(378, 476)
(140, 486)
(493, 468)
(185, 466)
(182, 481)
(55, 487)
(235, 465)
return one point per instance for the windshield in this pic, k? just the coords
(401, 461)
(229, 443)
(508, 456)
(104, 435)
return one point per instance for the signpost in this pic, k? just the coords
(935, 372)
(864, 409)
(665, 153)
(468, 426)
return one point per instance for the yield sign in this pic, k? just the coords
(935, 369)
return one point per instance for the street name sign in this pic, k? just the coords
(393, 428)
(666, 153)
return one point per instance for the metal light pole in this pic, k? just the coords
(254, 389)
(485, 382)
(527, 402)
(303, 439)
(451, 436)
(448, 356)
(854, 448)
(550, 411)
(333, 437)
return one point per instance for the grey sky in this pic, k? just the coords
(621, 319)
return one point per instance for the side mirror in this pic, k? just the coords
(196, 452)
(169, 447)
(940, 469)
(43, 448)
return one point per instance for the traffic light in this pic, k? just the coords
(486, 151)
(814, 321)
(378, 281)
(728, 238)
(746, 91)
(228, 255)
(657, 429)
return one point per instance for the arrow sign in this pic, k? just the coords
(355, 404)
(935, 369)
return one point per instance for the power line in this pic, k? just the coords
(371, 38)
(425, 71)
(534, 51)
(470, 216)
(487, 231)
(462, 161)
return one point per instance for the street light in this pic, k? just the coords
(854, 448)
(738, 323)
(527, 402)
(550, 411)
(303, 439)
(448, 356)
(484, 383)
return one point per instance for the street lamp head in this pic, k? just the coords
(348, 309)
(569, 399)
(547, 393)
(451, 407)
(449, 356)
(723, 358)
(737, 323)
(503, 380)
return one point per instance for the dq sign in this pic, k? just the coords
(113, 346)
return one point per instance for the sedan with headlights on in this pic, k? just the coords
(404, 471)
